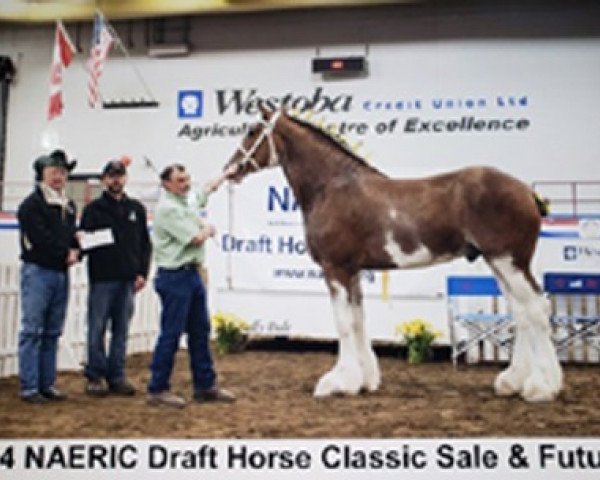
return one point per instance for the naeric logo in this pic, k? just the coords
(189, 103)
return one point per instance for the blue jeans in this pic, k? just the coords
(44, 296)
(111, 300)
(183, 298)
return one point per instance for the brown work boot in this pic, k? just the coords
(214, 394)
(166, 398)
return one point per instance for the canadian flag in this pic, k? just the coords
(61, 58)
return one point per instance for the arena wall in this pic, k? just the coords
(444, 89)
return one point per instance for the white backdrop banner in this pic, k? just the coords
(522, 105)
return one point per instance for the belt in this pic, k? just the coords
(185, 266)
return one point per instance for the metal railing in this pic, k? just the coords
(571, 198)
(82, 191)
(72, 352)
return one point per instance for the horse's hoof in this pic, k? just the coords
(321, 391)
(555, 378)
(333, 383)
(506, 384)
(538, 396)
(535, 390)
(372, 384)
(372, 379)
(326, 386)
(370, 387)
(554, 383)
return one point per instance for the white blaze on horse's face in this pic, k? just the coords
(249, 156)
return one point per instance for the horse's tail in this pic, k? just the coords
(542, 203)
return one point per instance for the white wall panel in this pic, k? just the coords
(416, 60)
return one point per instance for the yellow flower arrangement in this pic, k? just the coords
(230, 332)
(418, 335)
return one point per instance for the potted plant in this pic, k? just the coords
(231, 332)
(418, 336)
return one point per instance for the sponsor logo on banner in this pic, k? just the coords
(443, 103)
(190, 103)
(468, 113)
(247, 101)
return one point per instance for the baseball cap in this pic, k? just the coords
(114, 167)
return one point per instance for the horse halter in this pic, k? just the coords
(267, 133)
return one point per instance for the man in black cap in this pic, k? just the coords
(48, 247)
(117, 268)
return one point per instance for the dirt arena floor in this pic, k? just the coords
(275, 401)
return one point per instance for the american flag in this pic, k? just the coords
(61, 58)
(102, 41)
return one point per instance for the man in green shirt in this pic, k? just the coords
(179, 237)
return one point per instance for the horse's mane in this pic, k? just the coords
(334, 142)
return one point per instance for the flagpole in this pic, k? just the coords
(120, 44)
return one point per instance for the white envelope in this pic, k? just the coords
(98, 238)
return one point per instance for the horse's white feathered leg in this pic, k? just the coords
(366, 356)
(511, 380)
(534, 370)
(346, 376)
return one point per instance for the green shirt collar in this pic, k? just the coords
(176, 198)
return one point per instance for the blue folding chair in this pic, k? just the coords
(575, 318)
(475, 307)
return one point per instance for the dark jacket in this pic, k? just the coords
(47, 232)
(129, 255)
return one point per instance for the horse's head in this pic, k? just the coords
(258, 147)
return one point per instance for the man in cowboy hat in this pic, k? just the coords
(48, 247)
(58, 158)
